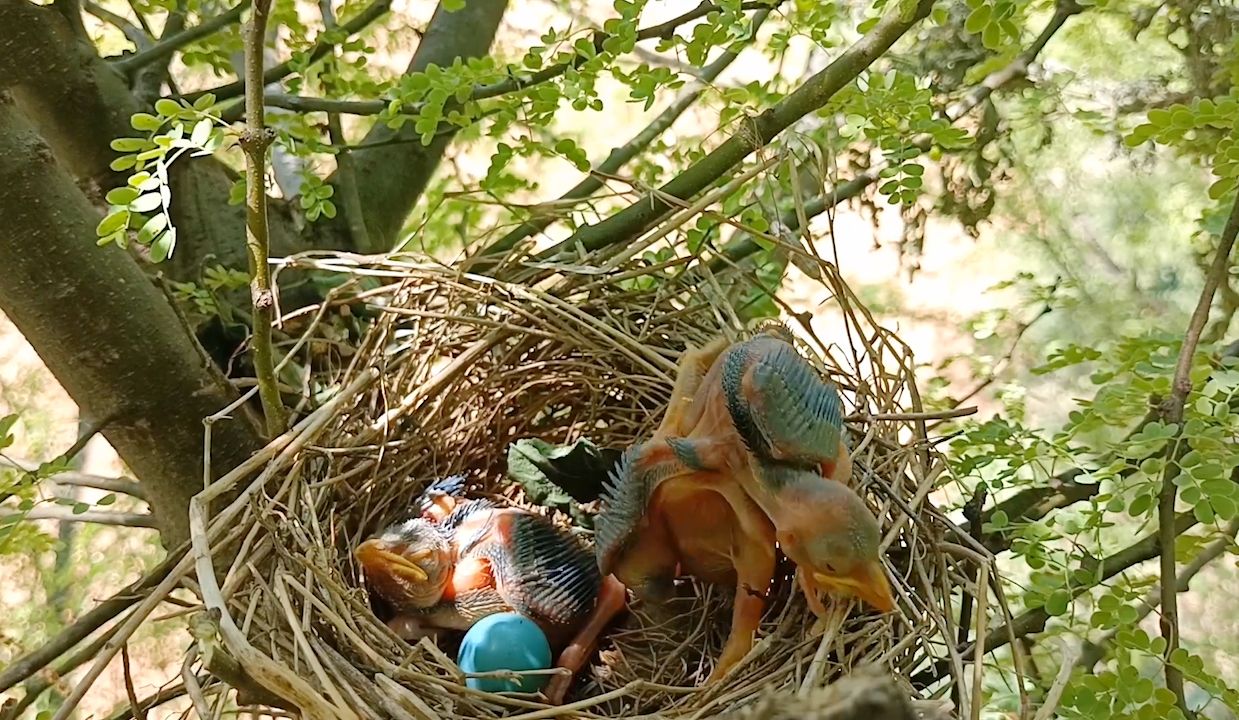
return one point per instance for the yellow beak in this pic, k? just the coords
(868, 582)
(374, 554)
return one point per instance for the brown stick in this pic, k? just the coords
(1172, 412)
(254, 142)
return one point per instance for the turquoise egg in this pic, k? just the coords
(505, 641)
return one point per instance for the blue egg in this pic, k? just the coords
(505, 641)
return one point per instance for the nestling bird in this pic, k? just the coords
(764, 394)
(749, 452)
(461, 560)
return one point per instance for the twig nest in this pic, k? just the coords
(437, 388)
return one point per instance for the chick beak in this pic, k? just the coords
(376, 556)
(868, 582)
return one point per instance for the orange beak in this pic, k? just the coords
(868, 582)
(376, 556)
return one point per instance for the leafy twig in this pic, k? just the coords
(169, 45)
(619, 156)
(346, 179)
(254, 143)
(97, 517)
(1094, 651)
(1172, 413)
(512, 84)
(756, 133)
(322, 46)
(743, 246)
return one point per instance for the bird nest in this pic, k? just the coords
(451, 371)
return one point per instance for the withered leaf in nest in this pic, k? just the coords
(561, 477)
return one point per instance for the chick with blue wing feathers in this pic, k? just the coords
(461, 560)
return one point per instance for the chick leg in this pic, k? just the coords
(754, 570)
(611, 599)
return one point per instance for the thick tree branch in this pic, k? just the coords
(617, 158)
(109, 337)
(322, 46)
(76, 100)
(168, 45)
(254, 143)
(1172, 413)
(391, 179)
(756, 133)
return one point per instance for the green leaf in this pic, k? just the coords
(145, 122)
(147, 202)
(204, 102)
(122, 195)
(161, 249)
(152, 227)
(978, 19)
(1057, 603)
(106, 499)
(167, 108)
(560, 477)
(112, 223)
(201, 132)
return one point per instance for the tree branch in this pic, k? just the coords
(1172, 412)
(136, 35)
(1034, 620)
(322, 46)
(743, 246)
(254, 143)
(121, 485)
(78, 102)
(617, 158)
(169, 45)
(756, 133)
(97, 517)
(1095, 651)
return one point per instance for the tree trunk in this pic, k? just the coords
(106, 332)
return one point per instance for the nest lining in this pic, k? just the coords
(454, 369)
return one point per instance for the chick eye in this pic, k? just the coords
(831, 569)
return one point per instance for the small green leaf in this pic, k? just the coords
(152, 227)
(161, 249)
(204, 102)
(1057, 603)
(201, 133)
(978, 19)
(122, 195)
(145, 122)
(107, 499)
(167, 108)
(112, 223)
(147, 202)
